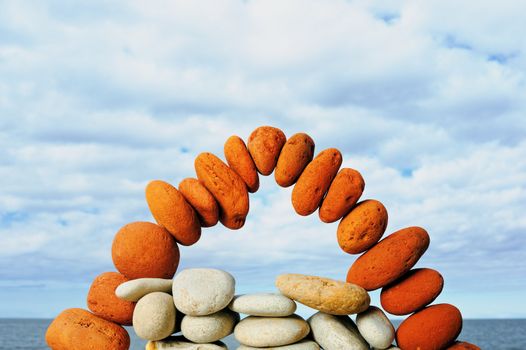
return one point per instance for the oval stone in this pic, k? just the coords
(343, 193)
(301, 345)
(262, 332)
(80, 329)
(103, 302)
(180, 343)
(210, 328)
(362, 227)
(336, 332)
(201, 292)
(135, 289)
(376, 328)
(265, 144)
(462, 345)
(324, 294)
(432, 328)
(413, 291)
(263, 304)
(154, 316)
(389, 259)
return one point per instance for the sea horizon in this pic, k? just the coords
(494, 334)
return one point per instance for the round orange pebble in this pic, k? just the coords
(343, 193)
(389, 259)
(201, 200)
(462, 345)
(142, 249)
(362, 227)
(239, 159)
(227, 187)
(294, 157)
(171, 210)
(315, 180)
(432, 328)
(418, 288)
(103, 302)
(81, 330)
(265, 144)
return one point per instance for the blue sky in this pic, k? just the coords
(426, 99)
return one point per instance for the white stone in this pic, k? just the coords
(154, 316)
(302, 345)
(376, 328)
(180, 343)
(263, 304)
(135, 289)
(200, 292)
(262, 332)
(210, 328)
(336, 332)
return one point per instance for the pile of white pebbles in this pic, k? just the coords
(201, 305)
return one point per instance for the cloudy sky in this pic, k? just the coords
(426, 99)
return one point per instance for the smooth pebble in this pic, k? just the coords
(201, 292)
(336, 332)
(263, 304)
(180, 343)
(376, 328)
(154, 316)
(263, 332)
(135, 289)
(302, 345)
(210, 328)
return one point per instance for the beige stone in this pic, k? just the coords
(135, 289)
(180, 343)
(263, 304)
(210, 328)
(154, 316)
(336, 332)
(201, 292)
(301, 345)
(324, 294)
(271, 331)
(376, 328)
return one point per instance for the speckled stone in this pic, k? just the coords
(263, 304)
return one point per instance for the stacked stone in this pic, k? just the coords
(220, 194)
(197, 308)
(271, 322)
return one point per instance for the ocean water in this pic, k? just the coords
(28, 334)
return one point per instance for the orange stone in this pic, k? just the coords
(432, 328)
(462, 345)
(81, 330)
(143, 249)
(103, 302)
(294, 157)
(201, 200)
(265, 144)
(415, 290)
(239, 160)
(171, 211)
(315, 180)
(360, 229)
(227, 187)
(343, 193)
(389, 259)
